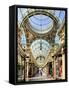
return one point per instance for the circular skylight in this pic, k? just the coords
(40, 23)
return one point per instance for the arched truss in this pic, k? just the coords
(40, 48)
(41, 20)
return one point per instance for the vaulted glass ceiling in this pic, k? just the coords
(60, 15)
(41, 23)
(40, 48)
(23, 39)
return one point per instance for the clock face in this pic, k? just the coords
(40, 50)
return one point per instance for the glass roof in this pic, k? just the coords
(40, 48)
(60, 15)
(23, 39)
(57, 39)
(22, 12)
(41, 23)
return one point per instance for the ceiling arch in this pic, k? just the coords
(40, 47)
